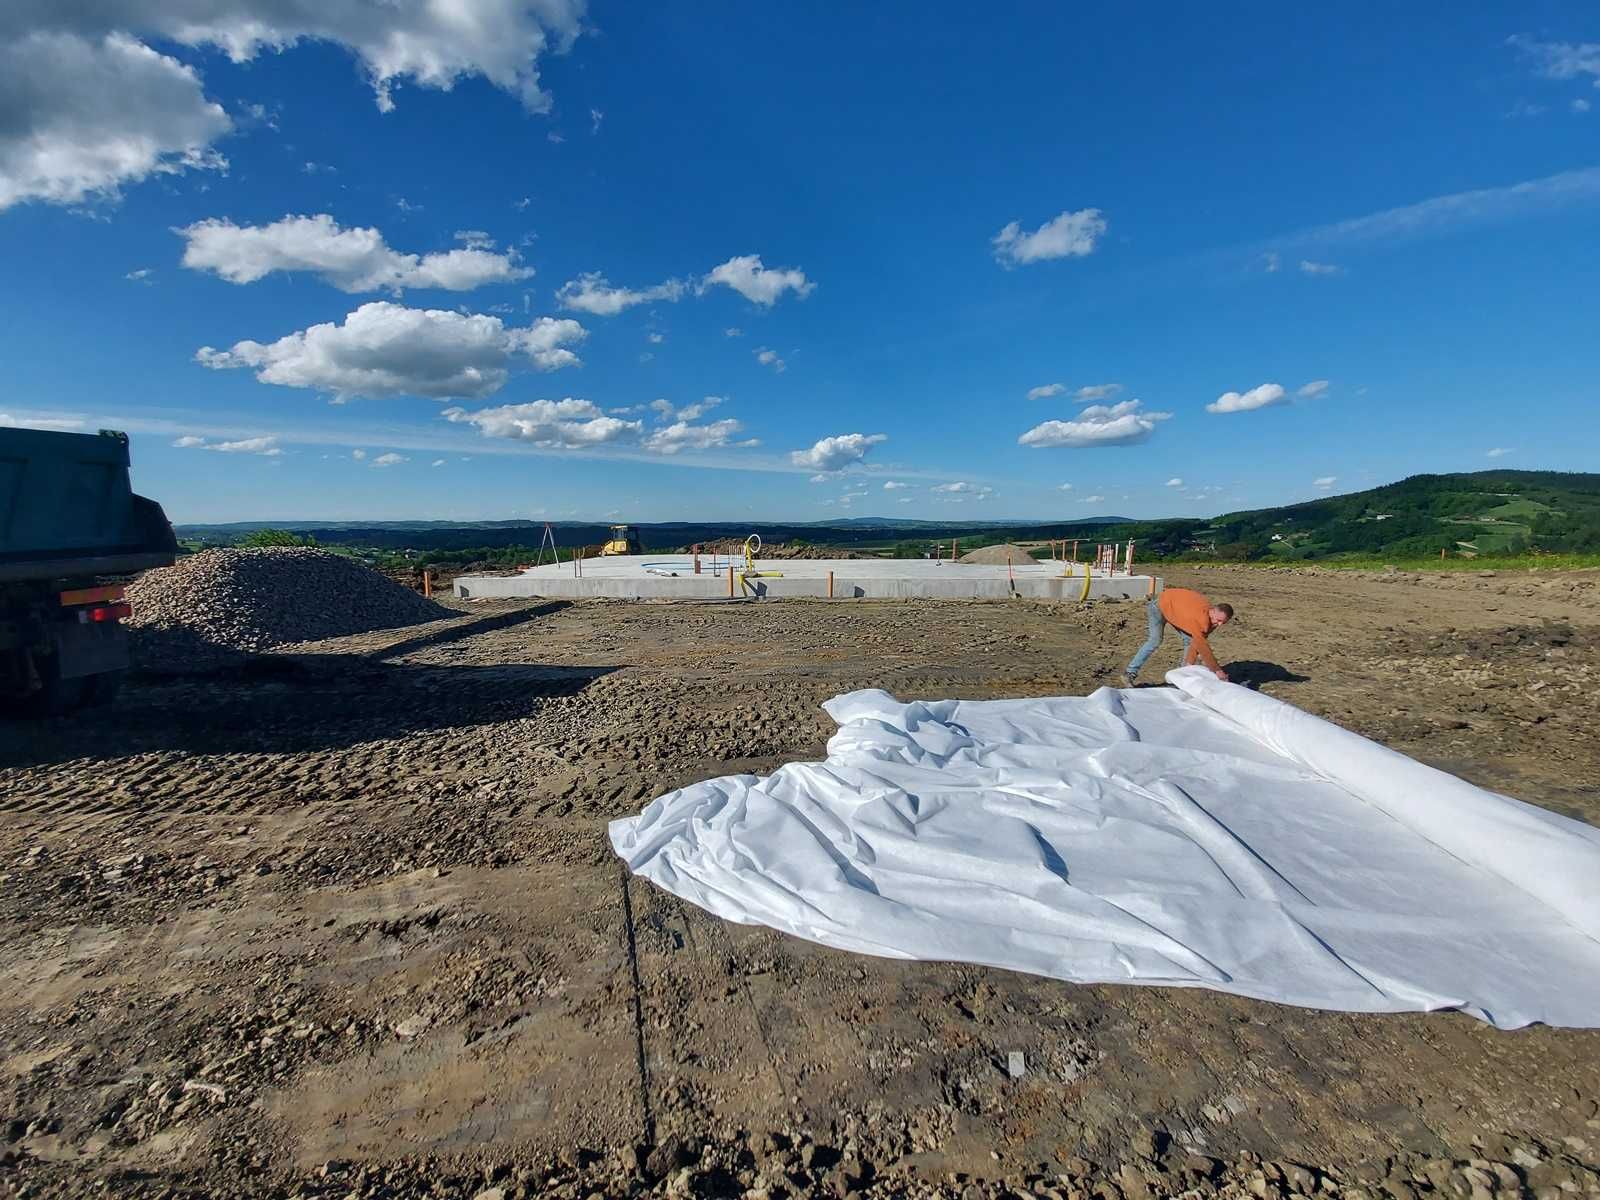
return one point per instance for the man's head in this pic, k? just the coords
(1221, 614)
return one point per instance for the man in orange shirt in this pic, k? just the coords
(1194, 617)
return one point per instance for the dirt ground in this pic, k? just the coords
(345, 923)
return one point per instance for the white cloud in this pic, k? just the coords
(894, 485)
(1098, 391)
(1265, 396)
(595, 117)
(474, 239)
(1271, 261)
(1499, 452)
(1069, 235)
(1092, 500)
(682, 435)
(142, 275)
(693, 412)
(1065, 487)
(961, 485)
(386, 349)
(564, 424)
(756, 283)
(438, 462)
(733, 331)
(820, 478)
(1307, 267)
(266, 445)
(769, 358)
(352, 260)
(591, 293)
(836, 453)
(90, 107)
(1313, 389)
(655, 339)
(663, 408)
(1175, 481)
(1560, 60)
(1045, 391)
(1123, 424)
(1327, 481)
(389, 460)
(1452, 213)
(1580, 105)
(84, 115)
(358, 455)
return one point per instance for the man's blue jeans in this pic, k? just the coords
(1158, 626)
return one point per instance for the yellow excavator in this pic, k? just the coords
(624, 540)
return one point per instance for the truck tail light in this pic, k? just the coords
(108, 612)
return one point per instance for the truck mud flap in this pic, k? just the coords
(91, 649)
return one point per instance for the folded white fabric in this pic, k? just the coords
(1202, 835)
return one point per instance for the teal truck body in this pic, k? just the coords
(71, 531)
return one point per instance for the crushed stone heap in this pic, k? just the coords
(253, 600)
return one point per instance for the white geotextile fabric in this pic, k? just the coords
(1202, 835)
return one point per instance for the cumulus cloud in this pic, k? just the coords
(1065, 487)
(836, 453)
(756, 283)
(1313, 389)
(1175, 481)
(389, 460)
(1124, 424)
(1307, 267)
(1068, 235)
(352, 260)
(769, 358)
(733, 331)
(81, 116)
(386, 349)
(1092, 500)
(591, 293)
(1580, 105)
(89, 106)
(961, 485)
(683, 435)
(1045, 391)
(552, 424)
(894, 485)
(1327, 481)
(1499, 452)
(1264, 396)
(358, 455)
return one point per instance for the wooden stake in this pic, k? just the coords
(730, 581)
(830, 585)
(427, 584)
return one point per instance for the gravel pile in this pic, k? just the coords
(997, 556)
(217, 607)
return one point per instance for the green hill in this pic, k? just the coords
(1483, 513)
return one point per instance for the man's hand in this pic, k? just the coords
(1221, 674)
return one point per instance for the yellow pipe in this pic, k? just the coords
(1087, 576)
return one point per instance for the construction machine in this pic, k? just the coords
(624, 540)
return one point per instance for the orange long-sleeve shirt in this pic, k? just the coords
(1191, 612)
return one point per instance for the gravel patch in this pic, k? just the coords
(217, 607)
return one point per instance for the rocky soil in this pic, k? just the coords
(340, 920)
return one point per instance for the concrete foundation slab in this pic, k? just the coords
(672, 577)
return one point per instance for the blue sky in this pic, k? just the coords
(494, 258)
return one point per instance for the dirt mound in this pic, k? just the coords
(996, 556)
(220, 605)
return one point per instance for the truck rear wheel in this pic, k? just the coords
(55, 696)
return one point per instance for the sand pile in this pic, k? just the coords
(997, 556)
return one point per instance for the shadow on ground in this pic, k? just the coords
(1252, 674)
(299, 702)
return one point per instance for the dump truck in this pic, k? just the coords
(71, 533)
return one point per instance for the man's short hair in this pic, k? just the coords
(1225, 609)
